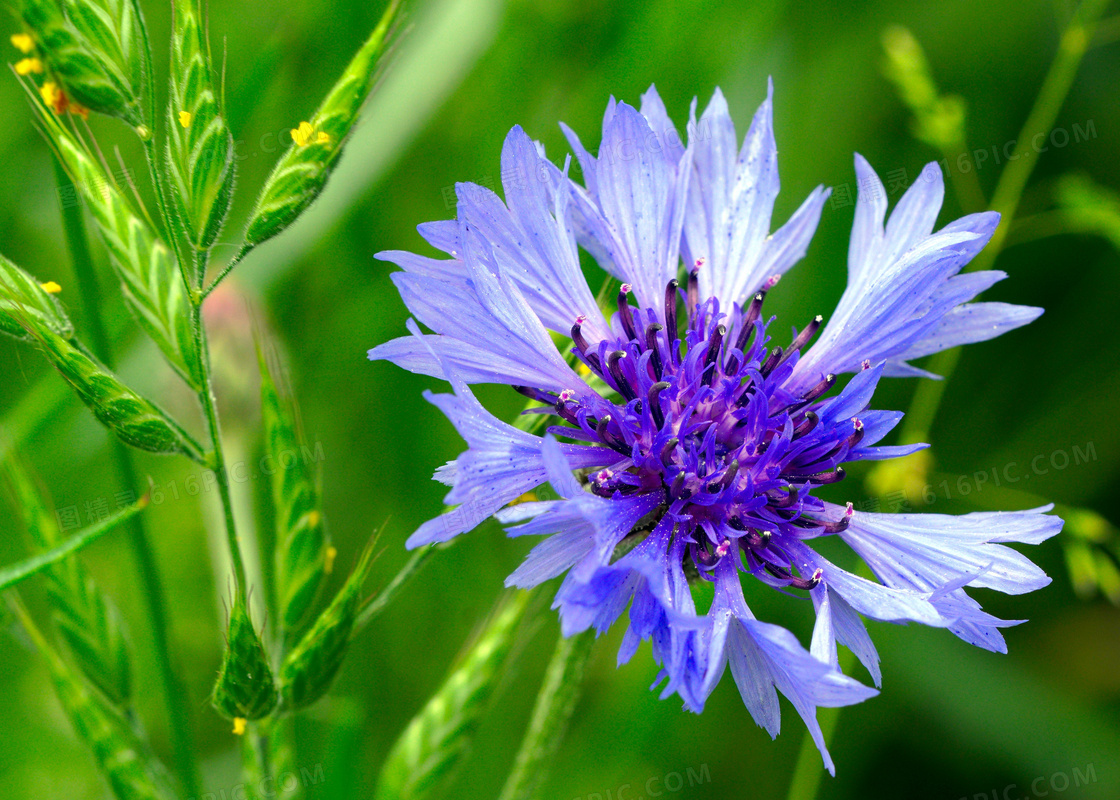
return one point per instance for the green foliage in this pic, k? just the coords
(151, 283)
(311, 666)
(24, 303)
(245, 687)
(114, 32)
(1090, 206)
(302, 171)
(436, 739)
(85, 617)
(939, 120)
(130, 768)
(136, 421)
(1091, 546)
(301, 540)
(92, 49)
(200, 146)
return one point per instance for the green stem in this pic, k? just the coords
(551, 713)
(218, 461)
(226, 270)
(174, 694)
(261, 753)
(1009, 191)
(1075, 42)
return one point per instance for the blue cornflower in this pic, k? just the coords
(683, 436)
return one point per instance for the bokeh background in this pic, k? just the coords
(951, 722)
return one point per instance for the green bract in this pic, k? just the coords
(301, 540)
(24, 302)
(244, 687)
(302, 171)
(200, 146)
(152, 284)
(136, 421)
(93, 48)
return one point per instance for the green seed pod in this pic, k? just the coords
(422, 758)
(200, 147)
(132, 770)
(299, 176)
(302, 547)
(311, 666)
(84, 616)
(136, 421)
(24, 302)
(114, 29)
(86, 52)
(244, 687)
(151, 282)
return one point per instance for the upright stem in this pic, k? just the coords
(174, 694)
(218, 461)
(1009, 191)
(551, 713)
(261, 752)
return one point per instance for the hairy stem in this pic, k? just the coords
(151, 584)
(217, 460)
(551, 713)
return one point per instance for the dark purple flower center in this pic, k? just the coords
(700, 412)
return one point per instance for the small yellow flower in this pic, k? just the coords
(328, 559)
(27, 66)
(314, 517)
(323, 138)
(302, 135)
(24, 43)
(583, 369)
(185, 119)
(52, 95)
(239, 726)
(51, 287)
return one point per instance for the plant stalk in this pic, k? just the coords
(551, 714)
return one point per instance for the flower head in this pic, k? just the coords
(686, 437)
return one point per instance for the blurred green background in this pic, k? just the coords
(951, 722)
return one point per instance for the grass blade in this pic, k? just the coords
(22, 570)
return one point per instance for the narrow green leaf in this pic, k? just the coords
(432, 744)
(15, 573)
(317, 143)
(302, 545)
(200, 147)
(311, 666)
(23, 298)
(151, 282)
(84, 616)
